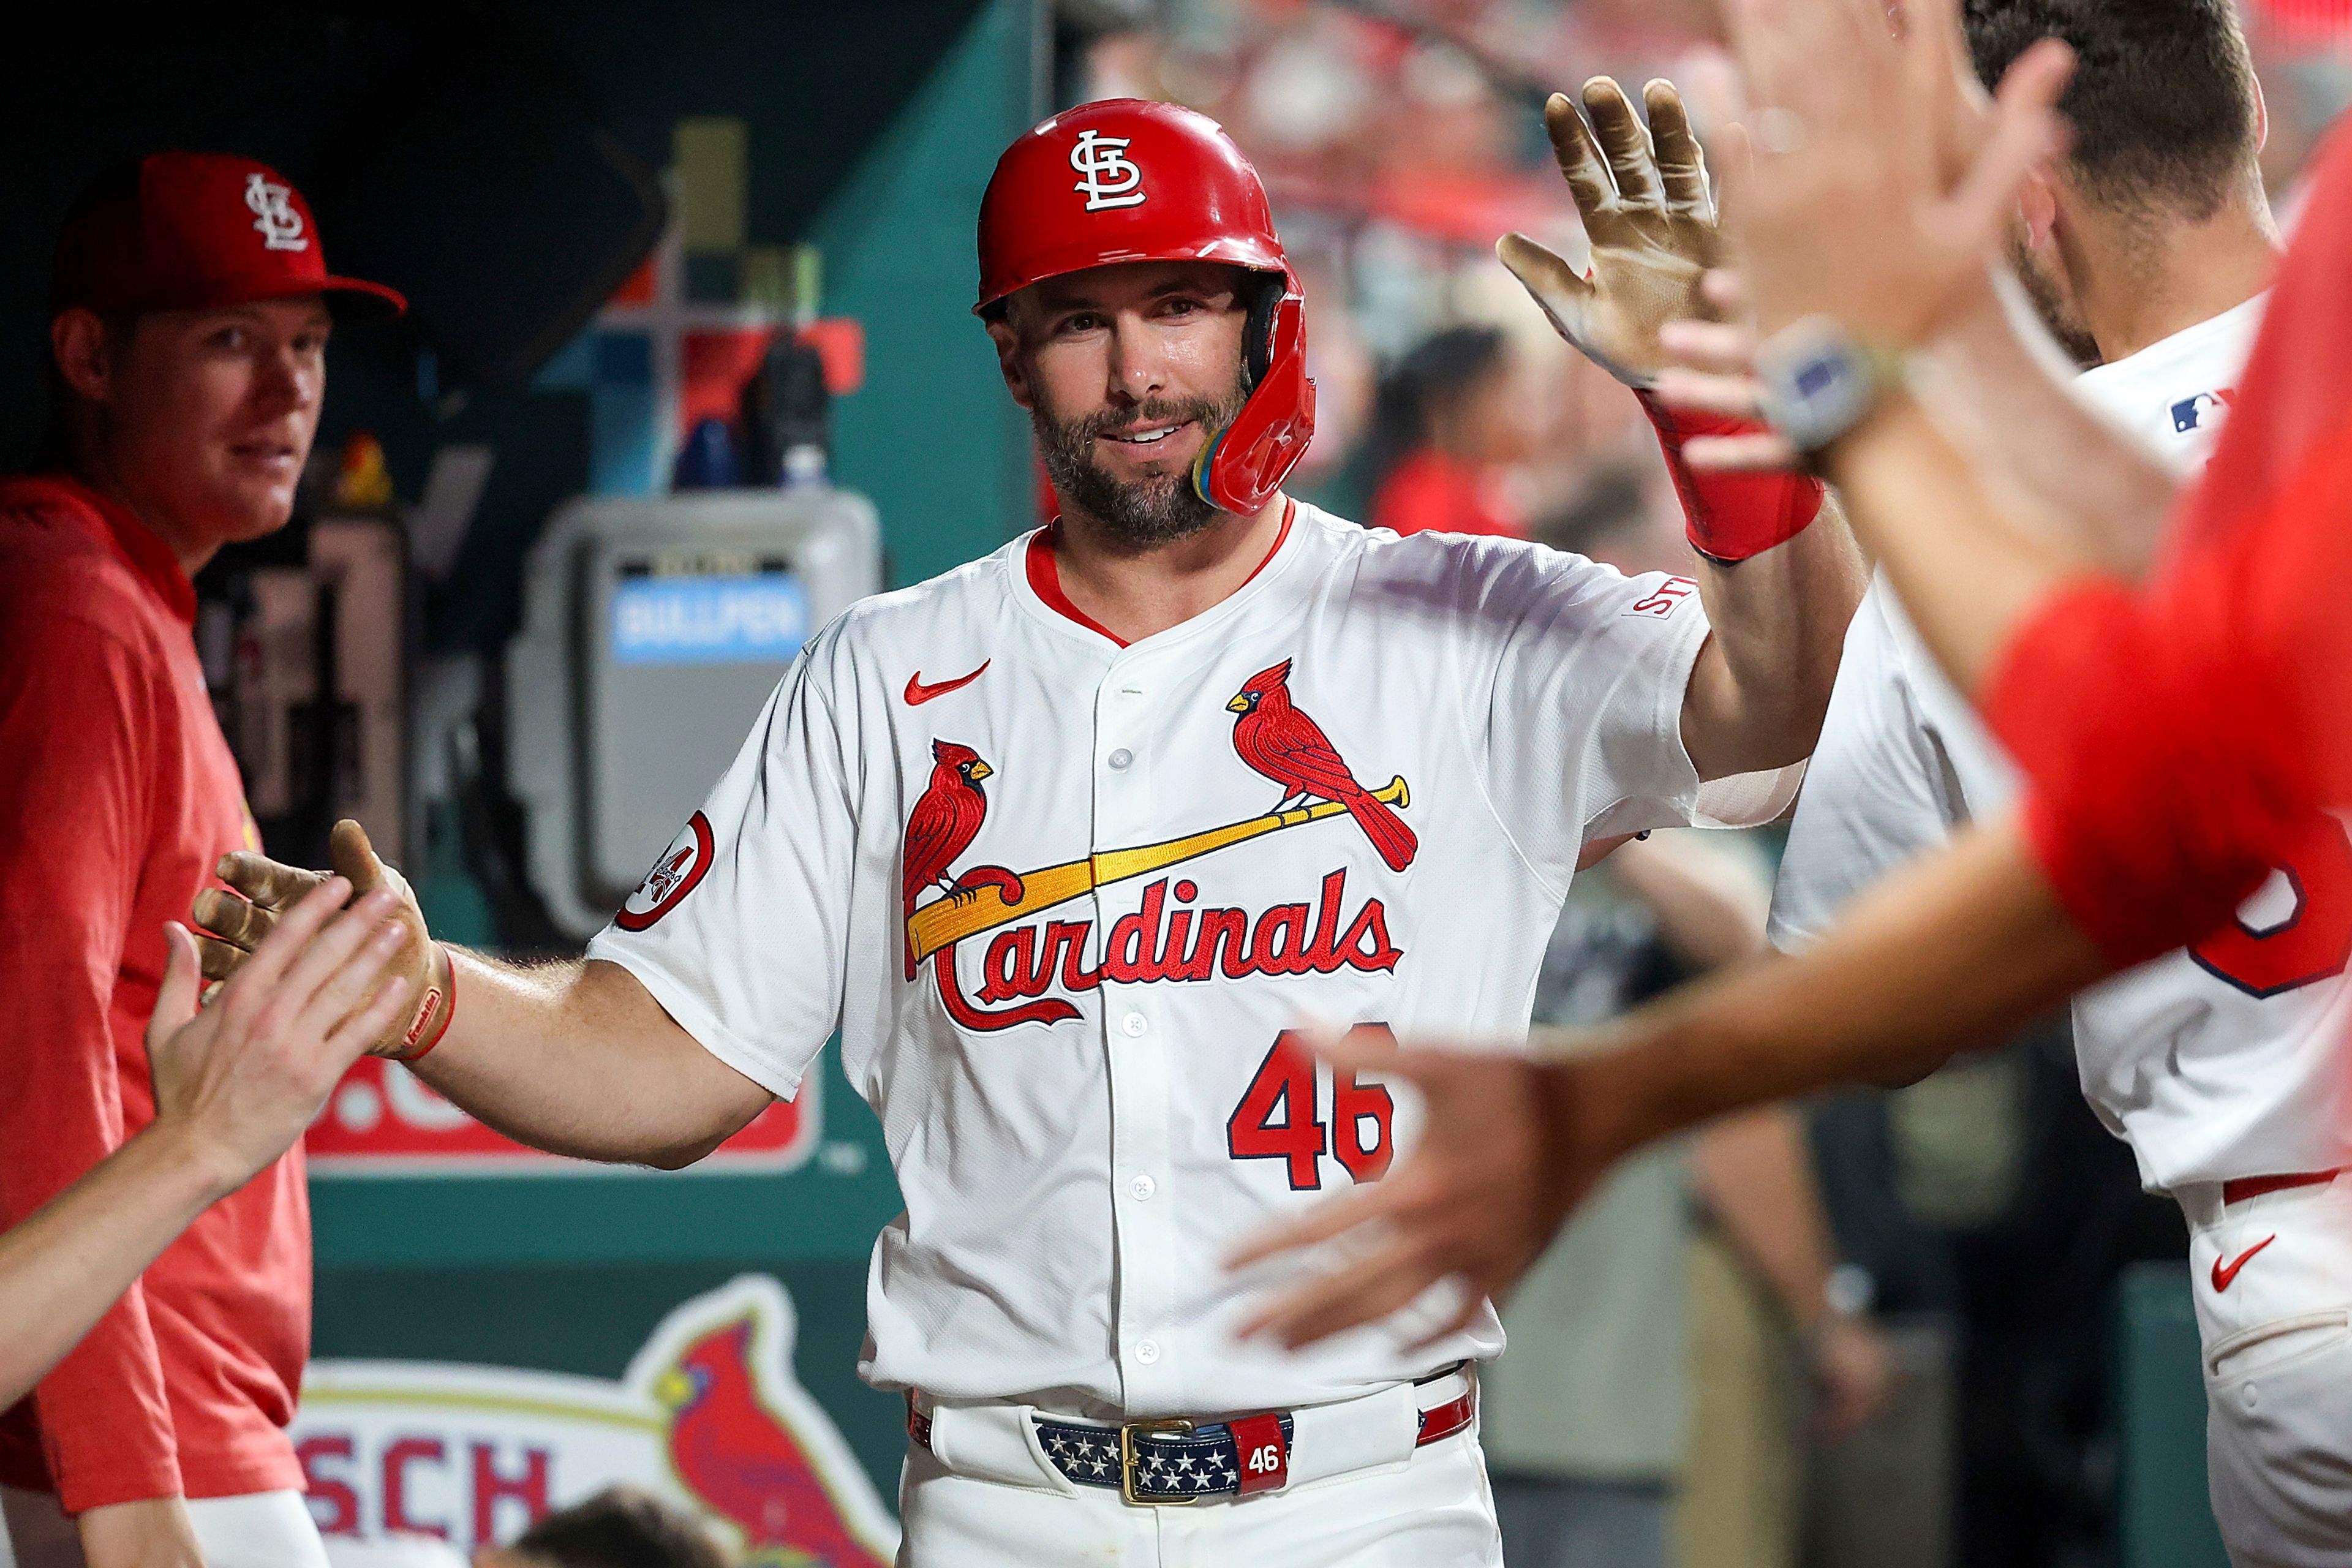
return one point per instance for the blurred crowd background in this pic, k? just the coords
(1879, 1329)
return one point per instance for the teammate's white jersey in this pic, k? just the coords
(1080, 1085)
(2210, 1063)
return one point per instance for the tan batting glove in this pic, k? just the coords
(266, 889)
(1651, 220)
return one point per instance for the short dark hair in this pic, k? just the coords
(2162, 101)
(621, 1527)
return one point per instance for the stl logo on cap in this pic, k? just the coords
(1112, 180)
(273, 214)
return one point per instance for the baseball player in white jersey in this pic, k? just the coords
(2219, 1065)
(1067, 842)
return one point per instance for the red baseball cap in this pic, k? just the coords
(179, 231)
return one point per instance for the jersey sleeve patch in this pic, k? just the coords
(1662, 602)
(674, 876)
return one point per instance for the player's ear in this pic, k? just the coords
(2037, 202)
(79, 339)
(1009, 360)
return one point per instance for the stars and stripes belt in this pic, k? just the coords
(1176, 1461)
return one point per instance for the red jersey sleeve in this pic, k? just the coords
(76, 720)
(2183, 742)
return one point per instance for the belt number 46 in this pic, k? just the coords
(1276, 1117)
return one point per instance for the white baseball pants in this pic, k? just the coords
(2272, 1278)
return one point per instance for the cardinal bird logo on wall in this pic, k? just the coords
(708, 1417)
(1274, 735)
(745, 1464)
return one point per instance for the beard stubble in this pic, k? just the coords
(1142, 512)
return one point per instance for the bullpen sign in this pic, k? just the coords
(708, 1417)
(382, 1121)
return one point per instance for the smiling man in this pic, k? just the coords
(1066, 842)
(188, 332)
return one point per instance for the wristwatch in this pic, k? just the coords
(1819, 381)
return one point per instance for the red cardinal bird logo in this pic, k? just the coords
(941, 826)
(743, 1464)
(1275, 737)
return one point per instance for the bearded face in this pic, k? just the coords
(1148, 509)
(1129, 371)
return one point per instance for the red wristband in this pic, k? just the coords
(1730, 516)
(431, 998)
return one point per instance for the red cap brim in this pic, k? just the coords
(357, 300)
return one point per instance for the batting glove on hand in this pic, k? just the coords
(237, 923)
(1651, 220)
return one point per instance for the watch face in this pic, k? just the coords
(1817, 375)
(1817, 384)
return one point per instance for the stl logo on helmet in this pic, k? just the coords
(274, 216)
(1112, 180)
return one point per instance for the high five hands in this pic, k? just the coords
(235, 924)
(1650, 217)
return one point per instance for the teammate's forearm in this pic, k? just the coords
(577, 1058)
(1710, 907)
(1778, 619)
(2096, 495)
(63, 1267)
(1956, 951)
(1967, 578)
(1754, 1173)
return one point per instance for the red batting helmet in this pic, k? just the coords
(1159, 182)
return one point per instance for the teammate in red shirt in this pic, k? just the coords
(188, 333)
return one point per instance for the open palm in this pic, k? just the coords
(1649, 218)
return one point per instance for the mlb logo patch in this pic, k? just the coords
(2202, 412)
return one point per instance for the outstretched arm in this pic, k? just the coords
(1957, 951)
(573, 1058)
(235, 1087)
(1779, 573)
(1996, 386)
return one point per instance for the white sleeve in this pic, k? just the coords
(741, 929)
(1881, 789)
(1575, 675)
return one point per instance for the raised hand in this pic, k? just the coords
(1505, 1152)
(1880, 184)
(237, 1082)
(238, 923)
(1651, 220)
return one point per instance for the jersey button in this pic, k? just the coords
(1143, 1187)
(1147, 1350)
(1133, 1025)
(1120, 758)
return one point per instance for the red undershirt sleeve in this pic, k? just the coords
(2180, 741)
(78, 724)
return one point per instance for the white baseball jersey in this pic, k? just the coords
(2213, 1063)
(1063, 898)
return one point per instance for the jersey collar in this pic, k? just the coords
(1046, 577)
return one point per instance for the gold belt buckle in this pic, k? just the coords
(1127, 1432)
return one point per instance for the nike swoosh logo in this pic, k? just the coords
(918, 693)
(2223, 1274)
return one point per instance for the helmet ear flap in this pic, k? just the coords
(1258, 335)
(1242, 466)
